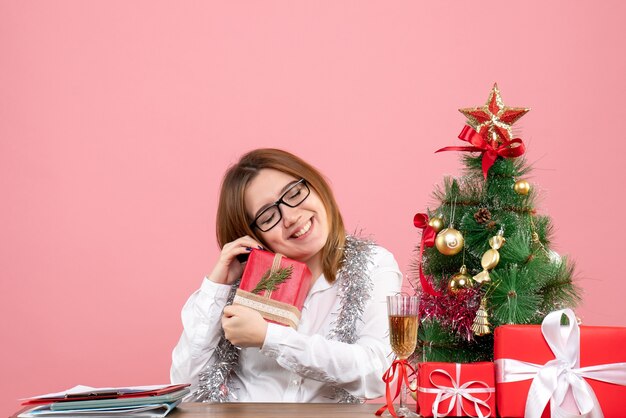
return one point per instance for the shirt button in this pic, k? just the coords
(295, 382)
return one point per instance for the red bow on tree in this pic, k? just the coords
(428, 240)
(491, 151)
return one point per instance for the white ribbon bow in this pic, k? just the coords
(456, 394)
(553, 380)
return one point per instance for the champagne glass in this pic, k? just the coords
(402, 311)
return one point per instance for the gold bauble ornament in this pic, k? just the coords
(449, 241)
(436, 224)
(460, 280)
(522, 187)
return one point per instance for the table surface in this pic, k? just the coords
(269, 410)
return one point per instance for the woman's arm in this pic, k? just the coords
(202, 313)
(201, 332)
(358, 368)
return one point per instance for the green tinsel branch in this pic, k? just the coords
(436, 343)
(503, 167)
(514, 298)
(560, 290)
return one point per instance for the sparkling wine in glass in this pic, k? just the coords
(402, 310)
(403, 334)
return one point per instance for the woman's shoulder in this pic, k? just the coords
(382, 258)
(380, 252)
(378, 257)
(385, 273)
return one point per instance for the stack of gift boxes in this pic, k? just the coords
(538, 371)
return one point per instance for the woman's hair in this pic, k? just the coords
(233, 221)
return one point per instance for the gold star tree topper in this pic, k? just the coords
(493, 120)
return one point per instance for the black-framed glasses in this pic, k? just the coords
(271, 215)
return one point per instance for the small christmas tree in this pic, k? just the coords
(485, 258)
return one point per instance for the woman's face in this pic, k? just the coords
(302, 232)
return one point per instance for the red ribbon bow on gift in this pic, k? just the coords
(508, 149)
(456, 392)
(428, 240)
(390, 375)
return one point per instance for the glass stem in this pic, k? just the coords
(402, 395)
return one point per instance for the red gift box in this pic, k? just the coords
(456, 390)
(280, 303)
(553, 351)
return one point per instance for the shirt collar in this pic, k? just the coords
(320, 285)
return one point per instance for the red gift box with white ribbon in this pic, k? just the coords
(275, 286)
(456, 390)
(560, 370)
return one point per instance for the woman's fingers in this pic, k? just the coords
(226, 271)
(243, 326)
(241, 247)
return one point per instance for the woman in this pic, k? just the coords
(272, 199)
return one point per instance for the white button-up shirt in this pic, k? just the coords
(302, 365)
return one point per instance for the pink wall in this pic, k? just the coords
(117, 120)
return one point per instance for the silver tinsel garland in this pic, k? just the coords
(355, 287)
(213, 381)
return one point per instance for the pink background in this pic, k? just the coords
(117, 120)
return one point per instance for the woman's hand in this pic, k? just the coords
(228, 269)
(243, 327)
